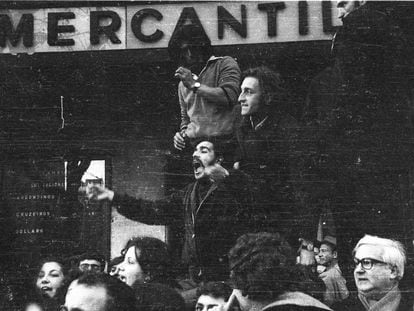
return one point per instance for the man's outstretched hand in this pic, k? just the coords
(96, 193)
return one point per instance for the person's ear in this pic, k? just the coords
(267, 100)
(394, 273)
(335, 254)
(219, 160)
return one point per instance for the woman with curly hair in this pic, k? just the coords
(146, 260)
(51, 284)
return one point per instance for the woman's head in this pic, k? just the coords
(51, 278)
(146, 260)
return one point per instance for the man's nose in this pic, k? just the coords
(241, 97)
(359, 269)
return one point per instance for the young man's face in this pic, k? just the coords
(207, 302)
(86, 298)
(250, 96)
(326, 255)
(203, 157)
(377, 280)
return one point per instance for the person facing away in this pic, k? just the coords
(210, 212)
(264, 275)
(208, 88)
(335, 283)
(379, 267)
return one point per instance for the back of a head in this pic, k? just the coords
(261, 265)
(157, 297)
(121, 296)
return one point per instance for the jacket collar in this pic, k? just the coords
(297, 299)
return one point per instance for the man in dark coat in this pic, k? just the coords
(269, 140)
(211, 212)
(359, 111)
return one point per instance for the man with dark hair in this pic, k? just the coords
(210, 212)
(91, 261)
(269, 140)
(335, 283)
(265, 277)
(208, 87)
(213, 295)
(99, 292)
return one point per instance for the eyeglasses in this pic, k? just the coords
(367, 263)
(86, 267)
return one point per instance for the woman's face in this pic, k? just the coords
(50, 279)
(130, 270)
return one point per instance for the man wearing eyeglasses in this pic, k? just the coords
(379, 267)
(91, 261)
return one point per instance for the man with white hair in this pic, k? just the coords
(379, 266)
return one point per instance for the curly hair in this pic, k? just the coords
(261, 265)
(153, 257)
(273, 94)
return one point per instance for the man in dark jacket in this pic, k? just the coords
(359, 114)
(211, 212)
(269, 139)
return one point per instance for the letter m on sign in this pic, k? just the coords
(24, 29)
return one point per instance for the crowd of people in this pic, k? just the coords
(240, 221)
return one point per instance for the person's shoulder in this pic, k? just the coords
(351, 303)
(224, 60)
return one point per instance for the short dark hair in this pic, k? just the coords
(93, 255)
(121, 296)
(331, 245)
(260, 265)
(274, 95)
(215, 290)
(157, 297)
(192, 34)
(153, 257)
(222, 149)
